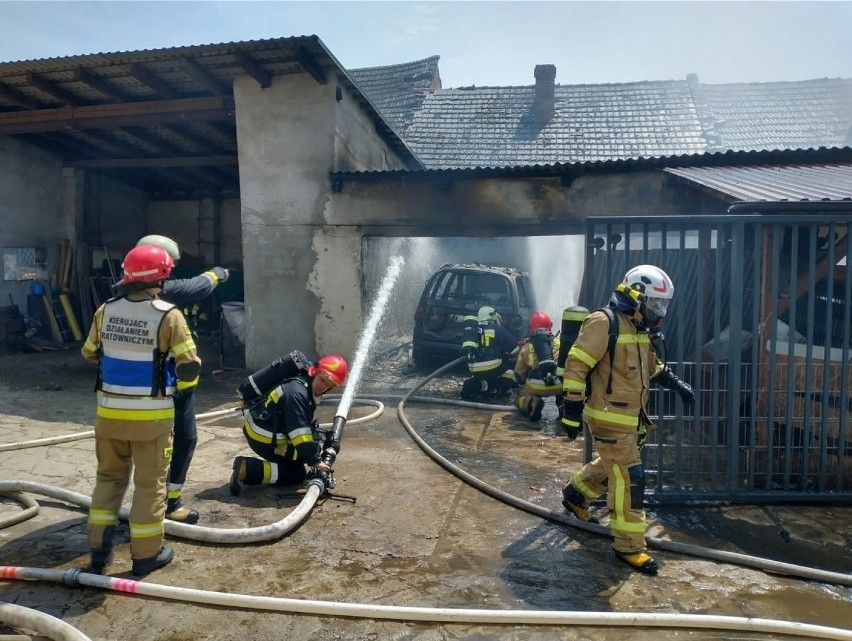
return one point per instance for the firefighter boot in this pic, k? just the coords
(141, 567)
(575, 503)
(640, 561)
(102, 556)
(181, 514)
(238, 475)
(536, 406)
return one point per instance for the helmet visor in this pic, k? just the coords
(658, 306)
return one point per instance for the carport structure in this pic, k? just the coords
(160, 120)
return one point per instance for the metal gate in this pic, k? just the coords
(760, 327)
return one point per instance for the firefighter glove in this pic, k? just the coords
(221, 273)
(669, 380)
(572, 418)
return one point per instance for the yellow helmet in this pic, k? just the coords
(163, 242)
(488, 315)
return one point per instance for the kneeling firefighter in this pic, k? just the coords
(279, 424)
(615, 408)
(490, 348)
(536, 368)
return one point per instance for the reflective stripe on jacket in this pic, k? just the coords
(285, 419)
(633, 365)
(124, 341)
(496, 345)
(527, 372)
(130, 361)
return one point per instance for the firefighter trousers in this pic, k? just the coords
(274, 469)
(185, 440)
(149, 462)
(617, 470)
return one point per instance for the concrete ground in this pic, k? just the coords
(415, 536)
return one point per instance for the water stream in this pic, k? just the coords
(369, 332)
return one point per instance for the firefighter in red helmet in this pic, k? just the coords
(281, 430)
(535, 368)
(144, 352)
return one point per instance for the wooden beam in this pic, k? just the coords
(252, 68)
(841, 247)
(144, 163)
(19, 99)
(99, 84)
(151, 80)
(50, 88)
(124, 115)
(203, 77)
(309, 64)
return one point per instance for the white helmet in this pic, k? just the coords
(488, 315)
(163, 242)
(656, 290)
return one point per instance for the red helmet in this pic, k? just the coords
(332, 365)
(146, 264)
(540, 320)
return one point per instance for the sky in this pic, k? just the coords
(482, 43)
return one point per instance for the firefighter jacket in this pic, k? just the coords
(286, 418)
(634, 364)
(186, 293)
(527, 372)
(144, 351)
(496, 346)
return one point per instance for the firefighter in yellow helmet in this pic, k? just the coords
(490, 348)
(144, 352)
(536, 368)
(185, 293)
(615, 408)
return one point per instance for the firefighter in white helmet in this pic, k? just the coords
(615, 407)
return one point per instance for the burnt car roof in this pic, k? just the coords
(508, 271)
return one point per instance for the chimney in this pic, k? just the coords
(545, 75)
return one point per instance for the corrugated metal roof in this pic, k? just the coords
(21, 82)
(795, 182)
(833, 155)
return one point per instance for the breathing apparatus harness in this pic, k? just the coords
(542, 342)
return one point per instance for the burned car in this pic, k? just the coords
(455, 291)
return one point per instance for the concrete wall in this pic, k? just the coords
(454, 206)
(179, 220)
(302, 289)
(31, 214)
(115, 216)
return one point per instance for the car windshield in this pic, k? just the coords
(474, 287)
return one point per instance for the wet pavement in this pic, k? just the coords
(415, 536)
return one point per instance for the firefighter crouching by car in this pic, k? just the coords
(615, 409)
(489, 347)
(144, 352)
(281, 429)
(535, 368)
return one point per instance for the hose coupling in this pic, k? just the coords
(71, 577)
